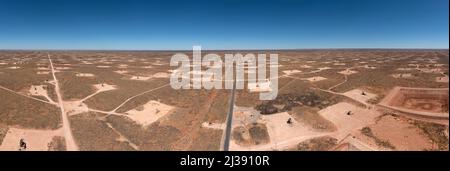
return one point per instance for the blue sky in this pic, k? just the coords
(223, 24)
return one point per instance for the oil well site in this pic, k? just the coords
(328, 100)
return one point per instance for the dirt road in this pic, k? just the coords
(70, 142)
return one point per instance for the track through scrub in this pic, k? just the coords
(70, 142)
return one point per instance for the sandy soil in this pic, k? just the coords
(159, 64)
(430, 70)
(62, 68)
(140, 78)
(405, 69)
(305, 66)
(14, 67)
(339, 64)
(36, 140)
(369, 67)
(416, 106)
(43, 68)
(355, 143)
(446, 132)
(280, 131)
(426, 105)
(151, 112)
(103, 66)
(161, 75)
(87, 63)
(282, 135)
(75, 107)
(84, 75)
(315, 79)
(356, 94)
(148, 67)
(324, 68)
(121, 71)
(40, 90)
(261, 87)
(442, 79)
(288, 72)
(43, 72)
(401, 134)
(406, 75)
(347, 72)
(123, 66)
(358, 118)
(104, 87)
(213, 125)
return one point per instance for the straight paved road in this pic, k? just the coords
(227, 132)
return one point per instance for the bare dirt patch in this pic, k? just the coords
(394, 131)
(403, 75)
(348, 117)
(289, 72)
(43, 72)
(40, 90)
(104, 87)
(348, 72)
(315, 79)
(36, 140)
(442, 79)
(121, 71)
(359, 95)
(139, 78)
(84, 75)
(418, 101)
(219, 126)
(149, 112)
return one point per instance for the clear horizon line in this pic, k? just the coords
(230, 49)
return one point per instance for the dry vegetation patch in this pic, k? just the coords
(317, 144)
(384, 143)
(152, 137)
(310, 117)
(251, 134)
(92, 133)
(435, 132)
(57, 144)
(28, 113)
(3, 132)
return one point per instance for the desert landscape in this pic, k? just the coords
(328, 100)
